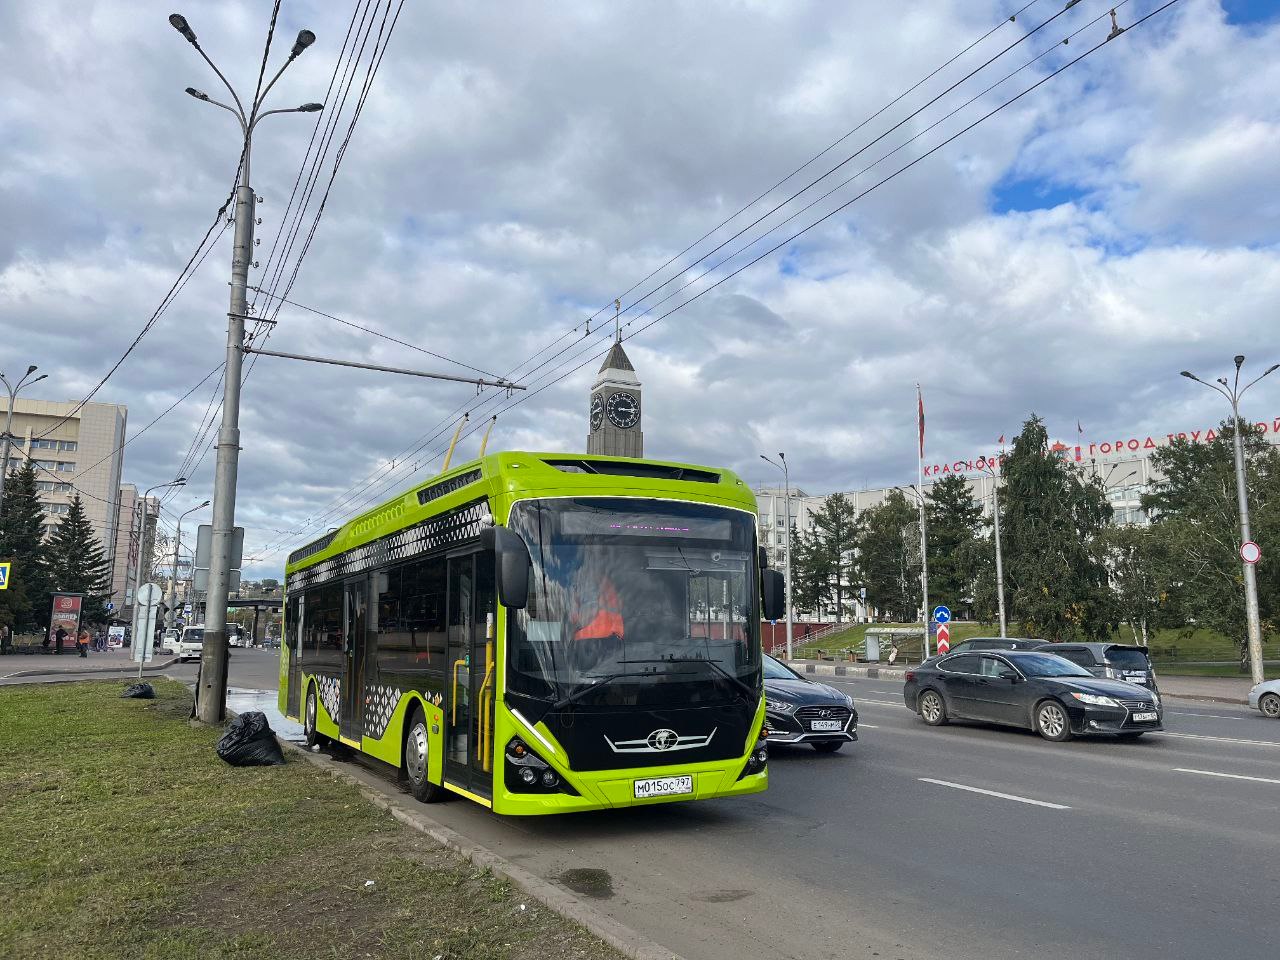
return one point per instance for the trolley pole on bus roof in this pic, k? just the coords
(211, 695)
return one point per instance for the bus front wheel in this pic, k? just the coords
(416, 754)
(314, 738)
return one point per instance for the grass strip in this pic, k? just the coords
(124, 836)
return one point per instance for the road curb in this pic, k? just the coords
(846, 670)
(617, 935)
(103, 670)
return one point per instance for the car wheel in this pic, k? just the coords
(416, 754)
(1052, 722)
(313, 736)
(932, 710)
(1269, 704)
(828, 746)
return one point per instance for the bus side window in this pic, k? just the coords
(412, 637)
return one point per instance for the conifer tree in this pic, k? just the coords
(78, 564)
(25, 604)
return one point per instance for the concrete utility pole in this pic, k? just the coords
(1233, 393)
(142, 545)
(995, 516)
(177, 545)
(211, 697)
(786, 492)
(8, 421)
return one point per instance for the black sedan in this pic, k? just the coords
(802, 711)
(1038, 691)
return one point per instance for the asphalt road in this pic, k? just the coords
(1165, 848)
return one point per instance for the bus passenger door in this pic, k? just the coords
(484, 672)
(355, 642)
(291, 647)
(460, 667)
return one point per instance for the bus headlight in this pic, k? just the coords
(526, 772)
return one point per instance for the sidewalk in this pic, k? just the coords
(46, 664)
(1215, 689)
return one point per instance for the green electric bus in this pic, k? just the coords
(541, 633)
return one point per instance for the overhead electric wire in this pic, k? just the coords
(803, 166)
(833, 212)
(595, 355)
(379, 333)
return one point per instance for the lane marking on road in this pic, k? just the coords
(1201, 736)
(868, 726)
(1207, 716)
(1228, 776)
(993, 793)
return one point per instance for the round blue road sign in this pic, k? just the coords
(942, 614)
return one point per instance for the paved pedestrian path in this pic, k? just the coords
(44, 664)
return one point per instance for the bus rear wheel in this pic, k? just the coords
(416, 756)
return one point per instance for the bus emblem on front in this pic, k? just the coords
(663, 739)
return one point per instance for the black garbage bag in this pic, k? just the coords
(139, 691)
(249, 742)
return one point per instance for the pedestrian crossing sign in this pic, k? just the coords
(4, 574)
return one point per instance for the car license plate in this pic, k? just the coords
(823, 726)
(663, 787)
(1139, 717)
(1136, 678)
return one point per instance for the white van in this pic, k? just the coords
(191, 643)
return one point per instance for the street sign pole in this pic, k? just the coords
(146, 604)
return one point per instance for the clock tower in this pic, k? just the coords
(615, 407)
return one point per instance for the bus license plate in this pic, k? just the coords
(826, 726)
(662, 787)
(1141, 717)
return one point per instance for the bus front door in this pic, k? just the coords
(355, 636)
(471, 666)
(291, 647)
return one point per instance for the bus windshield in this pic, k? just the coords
(636, 603)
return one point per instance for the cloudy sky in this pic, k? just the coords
(518, 166)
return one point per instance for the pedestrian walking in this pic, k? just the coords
(6, 638)
(82, 642)
(59, 638)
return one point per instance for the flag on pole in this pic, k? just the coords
(920, 402)
(1079, 429)
(1001, 440)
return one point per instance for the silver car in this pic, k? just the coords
(1266, 697)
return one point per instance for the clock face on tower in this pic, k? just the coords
(623, 410)
(597, 412)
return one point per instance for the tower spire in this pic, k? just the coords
(617, 321)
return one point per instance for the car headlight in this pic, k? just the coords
(779, 706)
(1095, 699)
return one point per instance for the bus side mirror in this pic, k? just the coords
(773, 590)
(512, 557)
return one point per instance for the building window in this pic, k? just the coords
(57, 508)
(44, 444)
(68, 445)
(45, 464)
(65, 467)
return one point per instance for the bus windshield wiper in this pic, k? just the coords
(747, 692)
(580, 691)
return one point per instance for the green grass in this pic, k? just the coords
(124, 836)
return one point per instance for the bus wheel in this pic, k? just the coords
(314, 738)
(416, 747)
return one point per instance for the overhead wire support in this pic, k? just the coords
(501, 384)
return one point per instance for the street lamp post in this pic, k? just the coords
(924, 561)
(990, 469)
(142, 540)
(8, 421)
(212, 695)
(177, 545)
(786, 496)
(1233, 392)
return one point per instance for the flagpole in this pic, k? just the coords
(924, 535)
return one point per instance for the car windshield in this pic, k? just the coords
(654, 602)
(1123, 659)
(194, 636)
(773, 670)
(1049, 665)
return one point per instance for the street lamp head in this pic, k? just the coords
(203, 505)
(1189, 375)
(1272, 369)
(1223, 381)
(179, 23)
(43, 376)
(198, 94)
(311, 107)
(1239, 360)
(781, 455)
(305, 39)
(32, 369)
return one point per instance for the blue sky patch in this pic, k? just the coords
(1018, 194)
(1251, 11)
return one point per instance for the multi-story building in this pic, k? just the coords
(74, 451)
(1124, 467)
(124, 568)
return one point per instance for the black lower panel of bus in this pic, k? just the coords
(609, 739)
